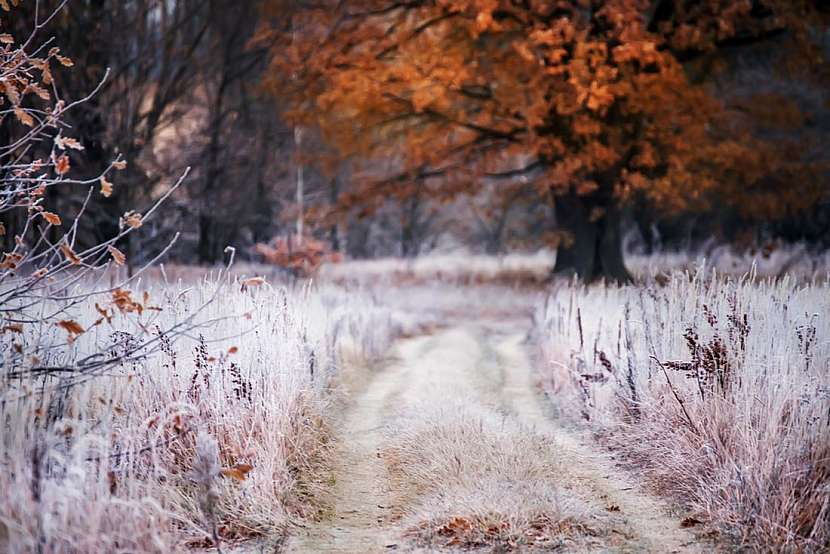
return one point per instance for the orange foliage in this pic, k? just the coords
(304, 258)
(586, 97)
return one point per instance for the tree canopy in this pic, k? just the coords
(590, 103)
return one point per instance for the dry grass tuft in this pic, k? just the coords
(470, 477)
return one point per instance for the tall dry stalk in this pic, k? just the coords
(205, 472)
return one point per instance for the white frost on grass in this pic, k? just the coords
(103, 465)
(716, 387)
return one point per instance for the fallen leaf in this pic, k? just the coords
(238, 472)
(690, 522)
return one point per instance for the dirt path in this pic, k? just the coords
(360, 492)
(487, 366)
(589, 472)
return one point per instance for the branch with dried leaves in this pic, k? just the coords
(45, 275)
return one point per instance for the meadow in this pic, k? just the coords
(709, 391)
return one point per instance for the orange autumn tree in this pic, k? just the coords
(590, 103)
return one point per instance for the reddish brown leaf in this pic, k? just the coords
(131, 219)
(117, 256)
(253, 282)
(62, 165)
(106, 187)
(13, 328)
(238, 472)
(24, 117)
(51, 218)
(70, 254)
(72, 327)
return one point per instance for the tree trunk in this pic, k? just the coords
(205, 248)
(410, 213)
(334, 230)
(595, 251)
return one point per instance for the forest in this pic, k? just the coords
(414, 275)
(704, 126)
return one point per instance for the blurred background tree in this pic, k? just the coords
(668, 106)
(182, 90)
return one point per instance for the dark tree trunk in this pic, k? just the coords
(334, 232)
(206, 246)
(357, 238)
(595, 251)
(495, 240)
(410, 243)
(408, 247)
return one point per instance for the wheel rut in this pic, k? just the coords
(491, 364)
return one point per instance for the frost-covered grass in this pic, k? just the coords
(105, 463)
(478, 479)
(452, 268)
(793, 260)
(716, 388)
(465, 470)
(534, 268)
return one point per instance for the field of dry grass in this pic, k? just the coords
(392, 404)
(104, 464)
(716, 388)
